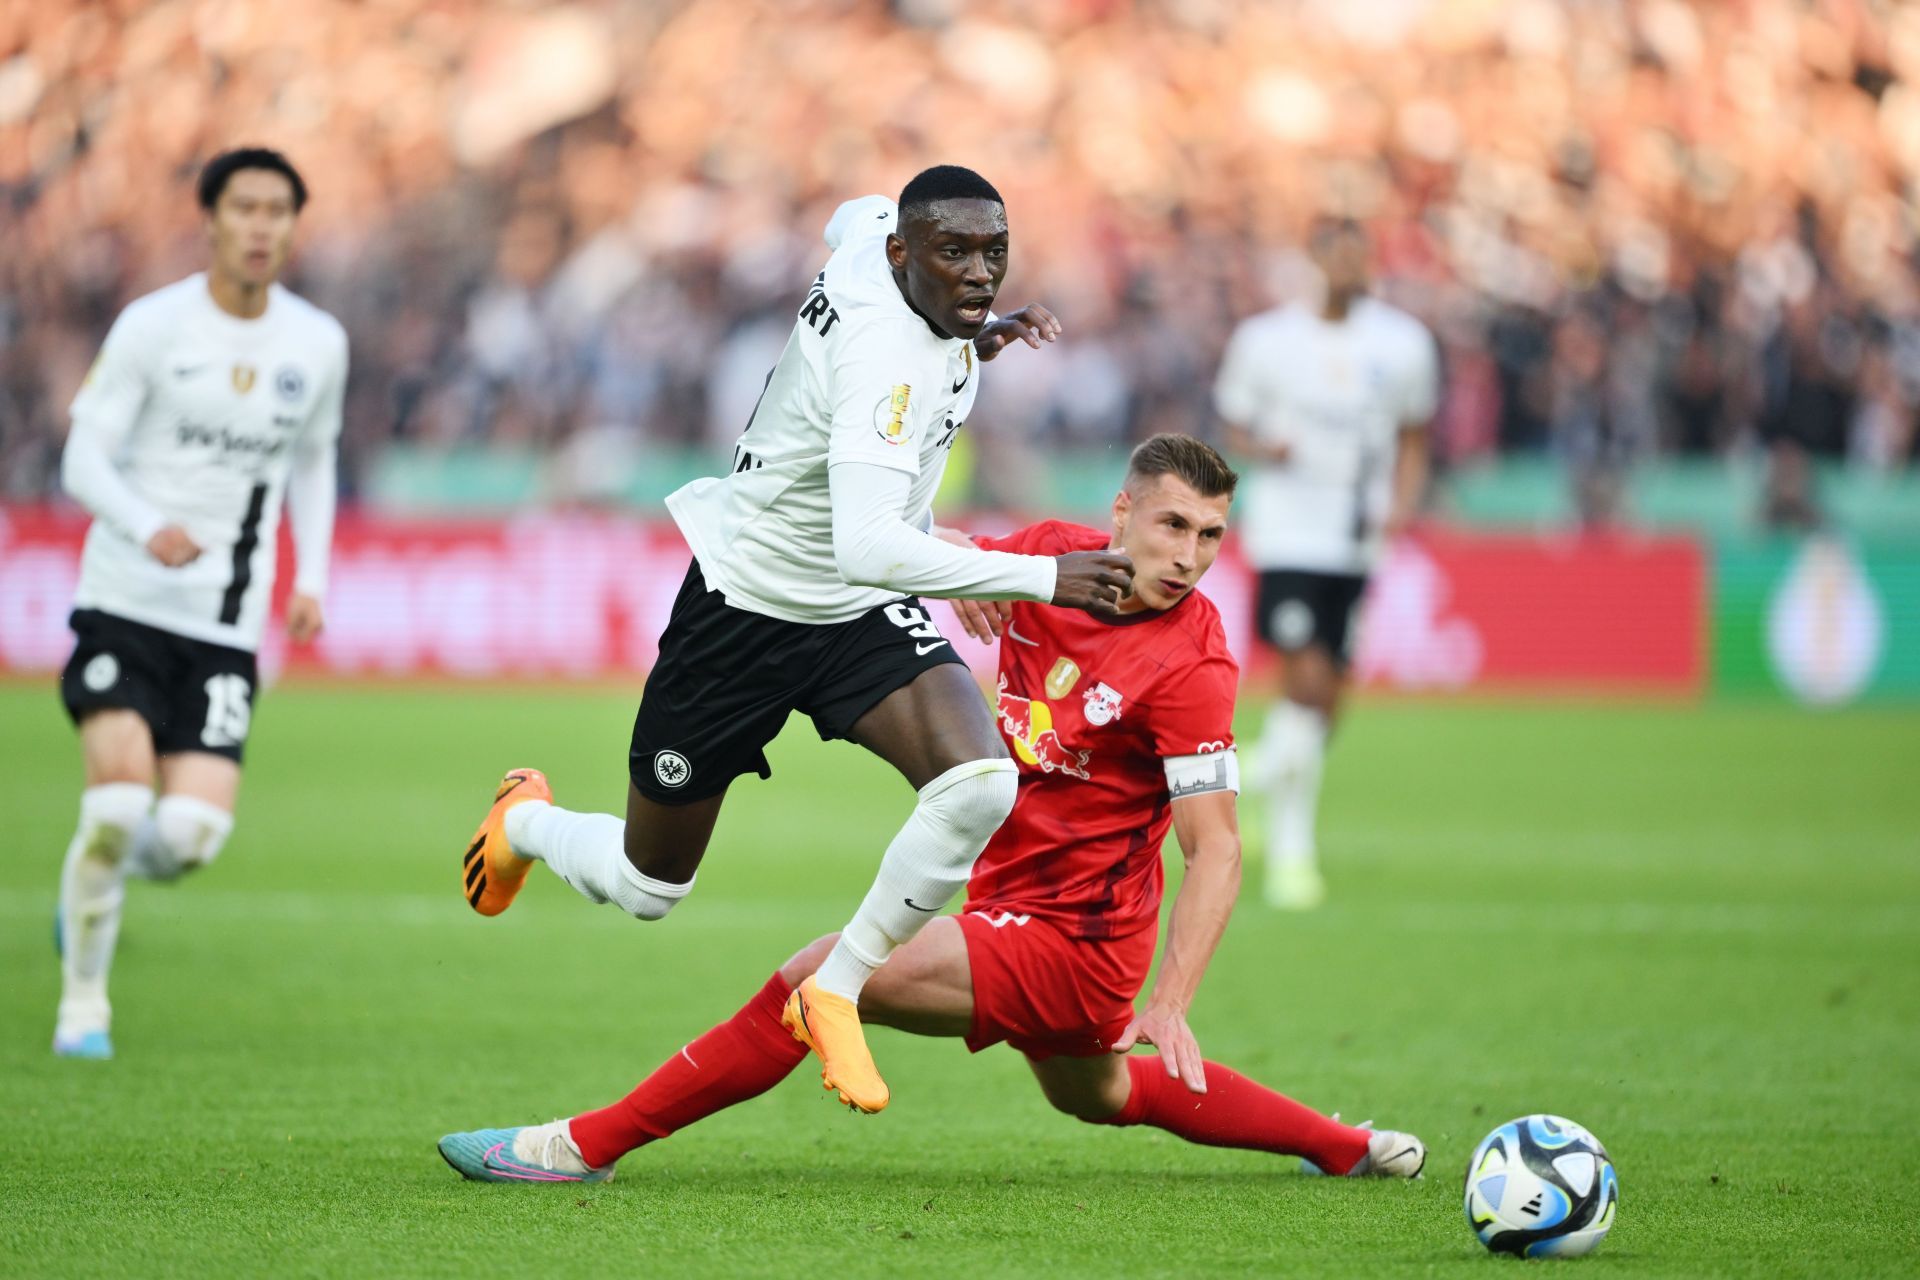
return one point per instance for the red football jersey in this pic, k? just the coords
(1091, 707)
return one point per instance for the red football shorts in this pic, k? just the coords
(1048, 994)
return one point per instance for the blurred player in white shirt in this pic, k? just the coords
(213, 400)
(1331, 404)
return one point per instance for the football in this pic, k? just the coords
(1541, 1187)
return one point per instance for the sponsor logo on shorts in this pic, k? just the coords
(102, 673)
(1002, 919)
(671, 768)
(1292, 624)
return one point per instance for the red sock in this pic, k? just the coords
(1236, 1112)
(741, 1058)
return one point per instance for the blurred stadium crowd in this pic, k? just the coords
(1640, 227)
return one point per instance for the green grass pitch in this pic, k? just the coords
(1696, 931)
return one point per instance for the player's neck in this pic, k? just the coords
(237, 298)
(1338, 307)
(900, 283)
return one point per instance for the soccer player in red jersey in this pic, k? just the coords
(1122, 727)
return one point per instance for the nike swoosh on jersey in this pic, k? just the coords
(1014, 634)
(922, 650)
(959, 385)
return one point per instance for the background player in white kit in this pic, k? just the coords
(1331, 403)
(798, 600)
(212, 400)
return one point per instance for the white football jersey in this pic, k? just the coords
(208, 409)
(1338, 395)
(862, 379)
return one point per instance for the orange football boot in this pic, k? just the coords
(830, 1026)
(492, 872)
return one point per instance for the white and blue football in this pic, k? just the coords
(1541, 1187)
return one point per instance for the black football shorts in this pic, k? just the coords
(1302, 609)
(194, 695)
(727, 678)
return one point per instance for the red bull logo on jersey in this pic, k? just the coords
(1028, 724)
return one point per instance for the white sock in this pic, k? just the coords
(92, 888)
(183, 834)
(927, 863)
(1295, 743)
(589, 852)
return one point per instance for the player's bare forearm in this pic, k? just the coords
(1211, 839)
(1411, 463)
(1242, 441)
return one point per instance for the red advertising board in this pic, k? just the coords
(585, 596)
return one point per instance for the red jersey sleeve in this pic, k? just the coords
(1192, 712)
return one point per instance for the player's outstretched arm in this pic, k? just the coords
(1031, 324)
(1209, 833)
(1410, 470)
(874, 546)
(984, 620)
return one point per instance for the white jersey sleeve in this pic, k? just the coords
(104, 412)
(1237, 387)
(855, 213)
(874, 547)
(1420, 385)
(877, 418)
(313, 484)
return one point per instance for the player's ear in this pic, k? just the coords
(896, 251)
(1122, 510)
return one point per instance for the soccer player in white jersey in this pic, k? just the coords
(1331, 404)
(806, 556)
(212, 400)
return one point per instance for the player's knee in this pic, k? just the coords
(645, 898)
(191, 831)
(971, 800)
(110, 814)
(807, 961)
(1089, 1104)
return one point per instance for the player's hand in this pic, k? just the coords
(1167, 1030)
(305, 618)
(172, 546)
(984, 620)
(1092, 580)
(1031, 324)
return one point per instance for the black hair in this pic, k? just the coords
(943, 182)
(1329, 227)
(213, 178)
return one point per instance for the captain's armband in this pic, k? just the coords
(1196, 775)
